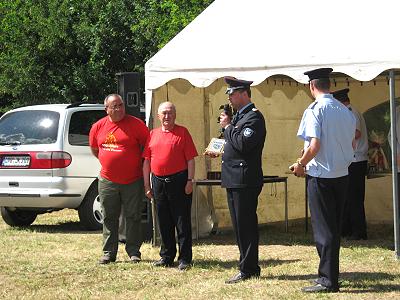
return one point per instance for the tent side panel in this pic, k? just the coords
(282, 104)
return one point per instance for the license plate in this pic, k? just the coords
(16, 161)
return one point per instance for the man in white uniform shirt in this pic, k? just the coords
(354, 225)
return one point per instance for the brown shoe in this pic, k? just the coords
(105, 259)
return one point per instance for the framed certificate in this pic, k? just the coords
(216, 146)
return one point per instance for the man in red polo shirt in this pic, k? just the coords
(169, 155)
(117, 141)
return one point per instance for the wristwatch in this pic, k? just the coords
(300, 164)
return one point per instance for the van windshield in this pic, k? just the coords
(29, 127)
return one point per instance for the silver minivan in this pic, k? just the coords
(46, 163)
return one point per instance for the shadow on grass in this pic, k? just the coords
(354, 282)
(61, 227)
(366, 282)
(269, 234)
(265, 263)
(380, 236)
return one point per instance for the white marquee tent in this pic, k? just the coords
(256, 39)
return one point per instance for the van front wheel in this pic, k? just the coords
(18, 217)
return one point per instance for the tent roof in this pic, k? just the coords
(256, 39)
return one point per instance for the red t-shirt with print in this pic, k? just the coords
(169, 151)
(120, 147)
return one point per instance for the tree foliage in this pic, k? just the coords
(54, 51)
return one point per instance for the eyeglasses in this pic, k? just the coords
(116, 107)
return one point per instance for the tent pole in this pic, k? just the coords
(394, 163)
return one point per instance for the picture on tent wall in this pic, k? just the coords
(377, 120)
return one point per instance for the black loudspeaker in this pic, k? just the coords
(130, 86)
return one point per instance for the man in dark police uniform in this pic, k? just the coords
(242, 175)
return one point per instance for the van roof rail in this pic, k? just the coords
(76, 104)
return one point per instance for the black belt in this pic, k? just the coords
(169, 178)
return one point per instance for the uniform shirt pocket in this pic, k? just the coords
(237, 170)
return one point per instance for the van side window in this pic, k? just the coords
(80, 124)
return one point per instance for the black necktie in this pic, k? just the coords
(235, 119)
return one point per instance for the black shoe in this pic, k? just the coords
(313, 280)
(163, 263)
(317, 281)
(319, 288)
(135, 259)
(106, 260)
(241, 277)
(184, 266)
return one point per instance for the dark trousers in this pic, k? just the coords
(174, 212)
(354, 223)
(326, 200)
(242, 203)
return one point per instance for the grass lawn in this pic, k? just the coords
(54, 259)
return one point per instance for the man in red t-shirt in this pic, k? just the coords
(117, 141)
(169, 155)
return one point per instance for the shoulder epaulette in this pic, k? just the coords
(312, 105)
